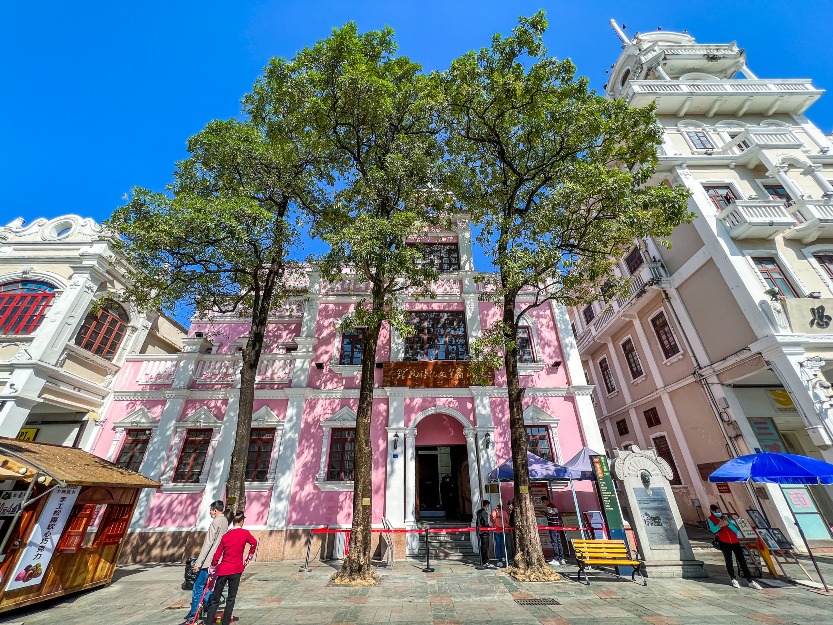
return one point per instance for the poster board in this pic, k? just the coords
(656, 514)
(745, 528)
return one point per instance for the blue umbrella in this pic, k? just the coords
(539, 469)
(776, 468)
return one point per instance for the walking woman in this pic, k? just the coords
(229, 564)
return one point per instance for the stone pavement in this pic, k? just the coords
(456, 594)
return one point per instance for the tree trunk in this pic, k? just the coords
(529, 562)
(356, 569)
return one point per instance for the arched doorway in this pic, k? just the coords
(441, 455)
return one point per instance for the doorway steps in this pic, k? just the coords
(446, 546)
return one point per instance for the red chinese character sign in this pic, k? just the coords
(44, 538)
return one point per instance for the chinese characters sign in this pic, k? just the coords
(427, 374)
(41, 545)
(810, 316)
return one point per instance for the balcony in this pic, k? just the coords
(756, 219)
(429, 374)
(723, 97)
(764, 138)
(816, 220)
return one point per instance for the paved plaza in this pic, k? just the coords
(456, 593)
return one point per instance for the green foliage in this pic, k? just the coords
(487, 352)
(558, 176)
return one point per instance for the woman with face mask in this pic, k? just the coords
(727, 535)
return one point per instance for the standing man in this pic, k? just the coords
(483, 521)
(500, 520)
(229, 563)
(511, 543)
(727, 535)
(554, 520)
(218, 527)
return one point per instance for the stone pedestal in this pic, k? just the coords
(656, 519)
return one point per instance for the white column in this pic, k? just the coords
(395, 478)
(815, 172)
(14, 409)
(613, 358)
(221, 461)
(748, 73)
(410, 477)
(285, 474)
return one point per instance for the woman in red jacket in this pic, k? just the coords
(229, 563)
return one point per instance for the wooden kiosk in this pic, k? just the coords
(64, 514)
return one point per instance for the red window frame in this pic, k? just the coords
(103, 332)
(720, 195)
(115, 524)
(664, 451)
(632, 358)
(634, 260)
(667, 341)
(778, 192)
(134, 449)
(607, 376)
(622, 427)
(352, 346)
(437, 336)
(23, 305)
(774, 276)
(535, 436)
(700, 139)
(80, 518)
(826, 261)
(261, 444)
(652, 419)
(192, 456)
(523, 343)
(341, 455)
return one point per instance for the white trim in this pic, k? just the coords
(451, 412)
(345, 418)
(346, 371)
(200, 419)
(535, 416)
(58, 283)
(139, 418)
(343, 486)
(810, 254)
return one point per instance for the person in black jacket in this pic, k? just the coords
(484, 521)
(510, 543)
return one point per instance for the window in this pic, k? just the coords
(622, 427)
(651, 417)
(261, 441)
(342, 454)
(79, 520)
(192, 457)
(442, 257)
(720, 195)
(773, 276)
(352, 343)
(700, 140)
(607, 376)
(102, 332)
(667, 340)
(632, 358)
(538, 442)
(114, 527)
(588, 315)
(23, 306)
(664, 452)
(524, 344)
(634, 260)
(826, 261)
(778, 192)
(133, 451)
(437, 336)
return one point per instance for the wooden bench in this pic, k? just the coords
(605, 553)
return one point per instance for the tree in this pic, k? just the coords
(557, 177)
(377, 114)
(220, 241)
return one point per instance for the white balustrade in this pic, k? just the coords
(157, 372)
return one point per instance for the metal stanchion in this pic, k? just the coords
(305, 568)
(427, 568)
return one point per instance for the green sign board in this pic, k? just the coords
(607, 494)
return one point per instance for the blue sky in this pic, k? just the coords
(101, 96)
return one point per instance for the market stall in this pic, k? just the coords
(64, 514)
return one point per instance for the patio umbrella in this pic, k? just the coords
(774, 468)
(580, 466)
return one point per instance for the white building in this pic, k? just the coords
(725, 344)
(57, 358)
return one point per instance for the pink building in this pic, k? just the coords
(173, 416)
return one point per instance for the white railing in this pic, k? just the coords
(761, 218)
(728, 87)
(348, 285)
(223, 370)
(157, 372)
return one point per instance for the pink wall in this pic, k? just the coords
(440, 429)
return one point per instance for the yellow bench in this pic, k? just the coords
(605, 553)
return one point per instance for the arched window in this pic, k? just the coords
(23, 305)
(103, 332)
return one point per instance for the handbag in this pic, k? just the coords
(717, 544)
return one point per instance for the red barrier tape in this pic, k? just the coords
(449, 530)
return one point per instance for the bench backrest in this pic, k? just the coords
(612, 549)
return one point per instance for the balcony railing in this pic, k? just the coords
(756, 219)
(816, 218)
